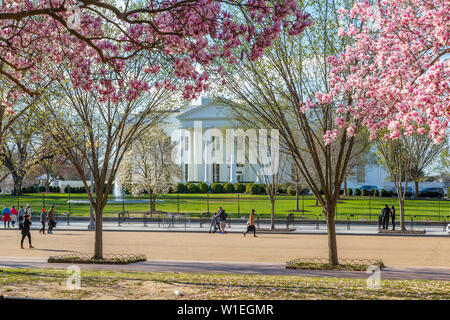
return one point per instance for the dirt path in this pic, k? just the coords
(394, 251)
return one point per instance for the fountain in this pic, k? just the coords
(118, 193)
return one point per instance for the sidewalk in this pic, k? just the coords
(252, 268)
(310, 228)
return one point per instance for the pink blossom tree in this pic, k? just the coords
(36, 36)
(116, 54)
(396, 70)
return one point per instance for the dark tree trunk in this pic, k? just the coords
(17, 191)
(332, 241)
(345, 187)
(416, 185)
(297, 198)
(272, 213)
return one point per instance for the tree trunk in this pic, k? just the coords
(297, 197)
(17, 191)
(416, 186)
(401, 203)
(272, 213)
(332, 241)
(345, 187)
(98, 246)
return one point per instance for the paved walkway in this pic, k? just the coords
(257, 268)
(303, 228)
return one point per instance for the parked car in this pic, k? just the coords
(409, 192)
(448, 229)
(432, 193)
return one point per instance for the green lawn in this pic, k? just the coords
(240, 205)
(130, 285)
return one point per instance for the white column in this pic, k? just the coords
(182, 155)
(191, 164)
(232, 162)
(207, 157)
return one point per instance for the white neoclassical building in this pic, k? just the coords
(205, 152)
(206, 155)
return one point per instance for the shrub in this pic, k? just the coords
(228, 187)
(291, 191)
(248, 187)
(364, 192)
(372, 192)
(350, 191)
(192, 188)
(180, 187)
(239, 187)
(216, 187)
(448, 193)
(384, 193)
(203, 187)
(255, 189)
(304, 191)
(376, 193)
(357, 192)
(391, 193)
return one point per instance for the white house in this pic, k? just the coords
(212, 122)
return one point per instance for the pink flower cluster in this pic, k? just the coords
(397, 69)
(178, 38)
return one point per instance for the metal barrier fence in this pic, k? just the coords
(174, 220)
(366, 207)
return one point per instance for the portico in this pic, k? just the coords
(206, 153)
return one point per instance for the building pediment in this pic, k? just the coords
(208, 110)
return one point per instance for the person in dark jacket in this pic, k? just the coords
(381, 220)
(21, 214)
(26, 231)
(393, 217)
(43, 221)
(386, 214)
(51, 219)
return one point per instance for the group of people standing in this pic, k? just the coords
(383, 218)
(23, 218)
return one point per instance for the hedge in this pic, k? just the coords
(203, 187)
(216, 187)
(357, 192)
(228, 187)
(291, 191)
(349, 191)
(239, 187)
(192, 188)
(248, 187)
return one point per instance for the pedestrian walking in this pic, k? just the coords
(251, 224)
(43, 219)
(51, 219)
(21, 214)
(386, 214)
(214, 222)
(6, 215)
(223, 220)
(28, 210)
(13, 216)
(26, 231)
(393, 217)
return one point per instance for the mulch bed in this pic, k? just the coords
(85, 258)
(323, 264)
(402, 231)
